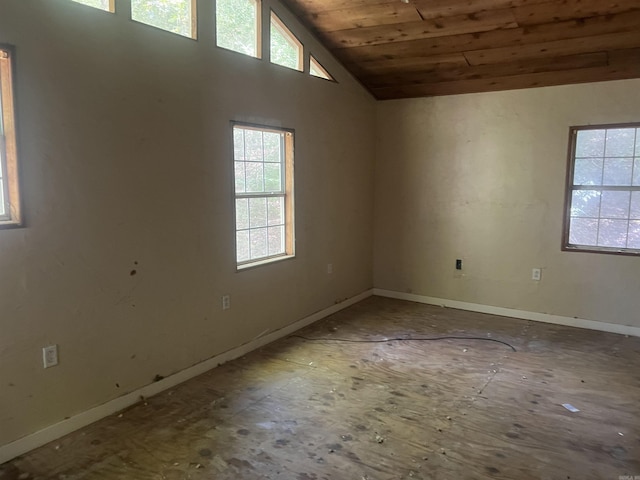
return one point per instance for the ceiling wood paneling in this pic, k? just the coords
(443, 47)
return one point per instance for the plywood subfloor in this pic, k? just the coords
(446, 409)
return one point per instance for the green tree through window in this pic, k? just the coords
(237, 25)
(286, 50)
(106, 5)
(172, 15)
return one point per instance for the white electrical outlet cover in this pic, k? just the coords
(50, 356)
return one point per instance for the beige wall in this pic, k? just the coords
(125, 156)
(481, 177)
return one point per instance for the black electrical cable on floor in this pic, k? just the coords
(418, 339)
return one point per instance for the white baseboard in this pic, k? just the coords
(510, 312)
(57, 430)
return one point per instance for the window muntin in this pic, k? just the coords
(603, 189)
(238, 26)
(176, 16)
(10, 214)
(286, 49)
(263, 186)
(317, 70)
(106, 5)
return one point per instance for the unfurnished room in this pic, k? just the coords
(319, 239)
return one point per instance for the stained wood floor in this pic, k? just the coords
(450, 409)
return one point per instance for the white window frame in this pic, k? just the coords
(571, 187)
(12, 215)
(286, 192)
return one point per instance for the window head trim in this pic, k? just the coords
(286, 192)
(570, 187)
(12, 216)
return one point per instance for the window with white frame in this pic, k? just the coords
(9, 190)
(106, 5)
(603, 189)
(317, 70)
(176, 16)
(286, 49)
(263, 186)
(238, 26)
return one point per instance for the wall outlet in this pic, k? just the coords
(329, 267)
(459, 264)
(50, 356)
(226, 302)
(536, 274)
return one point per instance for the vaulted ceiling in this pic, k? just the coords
(441, 47)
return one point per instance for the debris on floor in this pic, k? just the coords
(570, 407)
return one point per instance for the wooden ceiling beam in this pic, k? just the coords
(554, 11)
(398, 65)
(371, 16)
(438, 74)
(607, 24)
(430, 28)
(612, 41)
(622, 65)
(428, 8)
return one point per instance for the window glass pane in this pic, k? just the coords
(255, 176)
(615, 204)
(101, 4)
(171, 15)
(620, 142)
(272, 177)
(272, 147)
(637, 142)
(317, 70)
(617, 171)
(583, 231)
(613, 233)
(275, 211)
(634, 212)
(237, 26)
(242, 213)
(258, 212)
(276, 240)
(239, 173)
(633, 239)
(636, 172)
(259, 247)
(588, 171)
(585, 203)
(238, 144)
(285, 48)
(253, 145)
(2, 208)
(242, 246)
(590, 143)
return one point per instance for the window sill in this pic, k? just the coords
(606, 250)
(265, 261)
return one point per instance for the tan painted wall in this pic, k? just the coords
(125, 156)
(482, 177)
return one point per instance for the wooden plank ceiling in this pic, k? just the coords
(442, 47)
